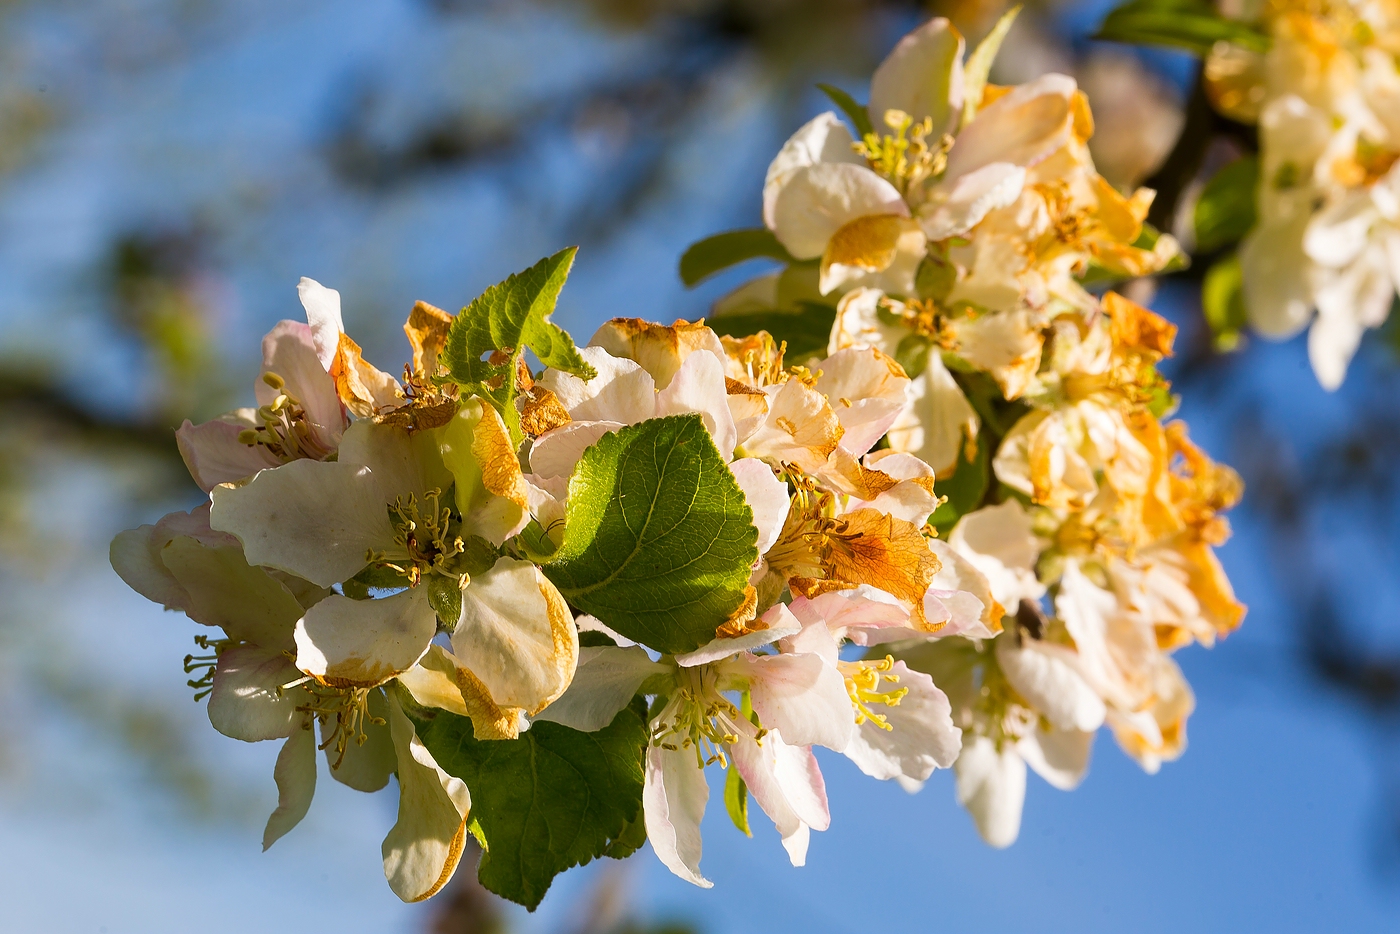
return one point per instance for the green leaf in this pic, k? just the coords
(736, 800)
(979, 63)
(659, 540)
(1225, 210)
(1193, 25)
(1222, 301)
(704, 258)
(964, 489)
(856, 113)
(509, 317)
(553, 799)
(806, 330)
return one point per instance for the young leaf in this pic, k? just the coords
(704, 258)
(1225, 210)
(1193, 25)
(1222, 301)
(979, 63)
(807, 330)
(858, 115)
(509, 317)
(659, 541)
(553, 799)
(736, 800)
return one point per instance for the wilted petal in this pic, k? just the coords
(921, 737)
(912, 498)
(422, 850)
(247, 701)
(992, 786)
(658, 348)
(314, 519)
(491, 491)
(923, 77)
(516, 635)
(674, 795)
(295, 774)
(363, 643)
(1006, 344)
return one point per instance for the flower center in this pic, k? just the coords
(286, 431)
(863, 686)
(426, 538)
(698, 717)
(348, 707)
(905, 157)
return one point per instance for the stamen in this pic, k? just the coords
(204, 684)
(863, 686)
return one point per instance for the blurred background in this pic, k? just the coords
(168, 169)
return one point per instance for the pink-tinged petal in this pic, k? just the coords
(135, 556)
(214, 455)
(1050, 685)
(1061, 757)
(698, 386)
(922, 735)
(295, 774)
(363, 643)
(422, 850)
(992, 786)
(816, 201)
(1023, 127)
(247, 701)
(803, 696)
(621, 392)
(323, 316)
(223, 590)
(766, 495)
(401, 462)
(787, 784)
(314, 519)
(867, 390)
(289, 350)
(557, 452)
(606, 681)
(674, 795)
(964, 593)
(923, 77)
(824, 138)
(777, 623)
(801, 428)
(865, 616)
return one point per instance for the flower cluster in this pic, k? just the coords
(549, 600)
(1326, 96)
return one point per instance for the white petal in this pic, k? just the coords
(1337, 235)
(295, 774)
(964, 592)
(291, 351)
(606, 681)
(1275, 269)
(766, 495)
(1023, 127)
(312, 519)
(1061, 757)
(362, 643)
(922, 735)
(803, 696)
(673, 801)
(247, 701)
(1000, 542)
(222, 589)
(323, 314)
(910, 499)
(822, 139)
(937, 419)
(401, 462)
(422, 850)
(557, 452)
(1051, 686)
(787, 784)
(817, 200)
(516, 636)
(621, 392)
(923, 77)
(698, 386)
(992, 786)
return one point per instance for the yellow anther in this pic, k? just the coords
(274, 381)
(863, 687)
